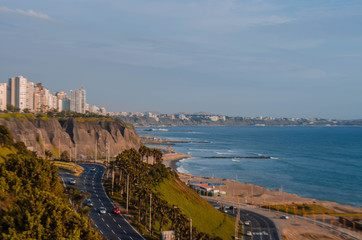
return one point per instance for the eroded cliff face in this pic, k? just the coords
(77, 136)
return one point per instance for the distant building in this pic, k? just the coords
(78, 100)
(3, 96)
(103, 111)
(60, 97)
(20, 93)
(65, 104)
(40, 98)
(11, 91)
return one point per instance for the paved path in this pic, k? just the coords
(110, 225)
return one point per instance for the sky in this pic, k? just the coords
(277, 58)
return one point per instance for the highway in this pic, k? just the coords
(110, 225)
(260, 227)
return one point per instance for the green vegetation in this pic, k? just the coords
(69, 166)
(172, 202)
(61, 116)
(33, 204)
(178, 194)
(302, 209)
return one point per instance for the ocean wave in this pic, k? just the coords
(274, 158)
(182, 170)
(235, 160)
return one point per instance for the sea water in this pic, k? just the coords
(324, 163)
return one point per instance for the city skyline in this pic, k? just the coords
(236, 58)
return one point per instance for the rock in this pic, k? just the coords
(77, 136)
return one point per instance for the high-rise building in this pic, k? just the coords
(11, 91)
(30, 96)
(3, 96)
(19, 93)
(60, 97)
(40, 101)
(78, 100)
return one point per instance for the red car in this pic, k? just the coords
(116, 210)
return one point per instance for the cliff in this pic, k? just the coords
(77, 136)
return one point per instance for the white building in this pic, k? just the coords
(3, 96)
(19, 93)
(78, 100)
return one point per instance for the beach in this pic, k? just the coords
(254, 197)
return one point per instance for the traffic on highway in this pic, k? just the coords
(105, 217)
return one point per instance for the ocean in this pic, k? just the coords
(324, 163)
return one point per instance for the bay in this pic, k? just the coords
(316, 162)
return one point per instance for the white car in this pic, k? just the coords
(247, 222)
(249, 233)
(93, 169)
(284, 217)
(72, 181)
(102, 210)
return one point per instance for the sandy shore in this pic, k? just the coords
(170, 159)
(255, 195)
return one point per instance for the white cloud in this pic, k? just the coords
(28, 13)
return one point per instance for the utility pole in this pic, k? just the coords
(75, 157)
(190, 228)
(107, 157)
(112, 177)
(59, 148)
(127, 193)
(150, 211)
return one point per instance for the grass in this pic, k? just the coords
(69, 166)
(204, 216)
(93, 119)
(302, 209)
(19, 116)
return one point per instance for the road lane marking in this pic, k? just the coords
(119, 226)
(124, 231)
(96, 225)
(113, 232)
(114, 220)
(103, 219)
(109, 214)
(101, 232)
(131, 237)
(107, 225)
(119, 238)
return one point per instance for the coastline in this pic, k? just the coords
(171, 159)
(253, 194)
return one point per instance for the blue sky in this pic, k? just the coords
(240, 58)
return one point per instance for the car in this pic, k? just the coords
(116, 210)
(72, 181)
(89, 203)
(284, 217)
(93, 169)
(249, 233)
(102, 210)
(247, 222)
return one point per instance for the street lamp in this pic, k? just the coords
(190, 220)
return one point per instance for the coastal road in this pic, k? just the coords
(110, 225)
(260, 227)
